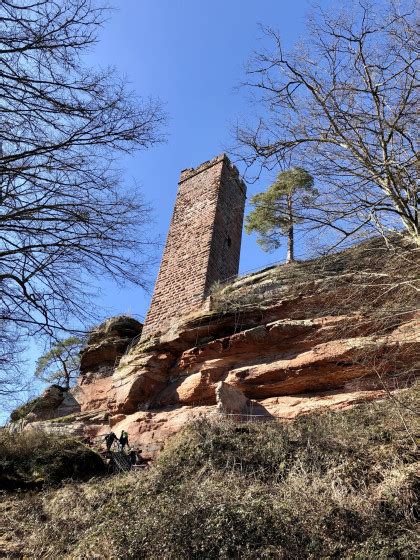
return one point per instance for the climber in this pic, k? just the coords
(123, 440)
(109, 439)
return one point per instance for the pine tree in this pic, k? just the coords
(279, 208)
(61, 363)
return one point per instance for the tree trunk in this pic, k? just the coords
(290, 234)
(66, 380)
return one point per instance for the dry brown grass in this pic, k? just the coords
(333, 485)
(376, 281)
(32, 459)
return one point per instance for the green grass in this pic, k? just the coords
(337, 485)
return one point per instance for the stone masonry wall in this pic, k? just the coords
(203, 243)
(227, 232)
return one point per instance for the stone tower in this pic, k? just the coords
(203, 243)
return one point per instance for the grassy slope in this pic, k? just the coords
(335, 485)
(33, 459)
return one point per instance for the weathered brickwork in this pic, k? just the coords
(203, 244)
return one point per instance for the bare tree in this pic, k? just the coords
(65, 215)
(12, 383)
(343, 104)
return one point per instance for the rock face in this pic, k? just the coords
(105, 347)
(286, 341)
(106, 344)
(55, 402)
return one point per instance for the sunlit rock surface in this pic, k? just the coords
(288, 340)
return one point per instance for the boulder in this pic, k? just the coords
(230, 400)
(106, 344)
(54, 402)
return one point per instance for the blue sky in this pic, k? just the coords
(191, 54)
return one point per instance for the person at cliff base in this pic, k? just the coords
(109, 440)
(123, 440)
(134, 456)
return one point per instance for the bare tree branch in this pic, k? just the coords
(344, 104)
(65, 215)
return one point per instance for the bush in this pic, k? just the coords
(379, 284)
(32, 458)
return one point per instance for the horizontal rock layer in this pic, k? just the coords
(286, 341)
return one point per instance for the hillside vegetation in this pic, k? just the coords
(332, 485)
(33, 459)
(375, 279)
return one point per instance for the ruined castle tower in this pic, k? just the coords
(203, 243)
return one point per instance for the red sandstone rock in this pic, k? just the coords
(105, 346)
(54, 402)
(94, 395)
(229, 400)
(150, 430)
(289, 355)
(138, 379)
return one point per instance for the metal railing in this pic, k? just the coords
(121, 461)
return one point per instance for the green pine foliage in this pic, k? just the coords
(277, 210)
(61, 363)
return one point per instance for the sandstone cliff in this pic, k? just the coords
(105, 347)
(289, 340)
